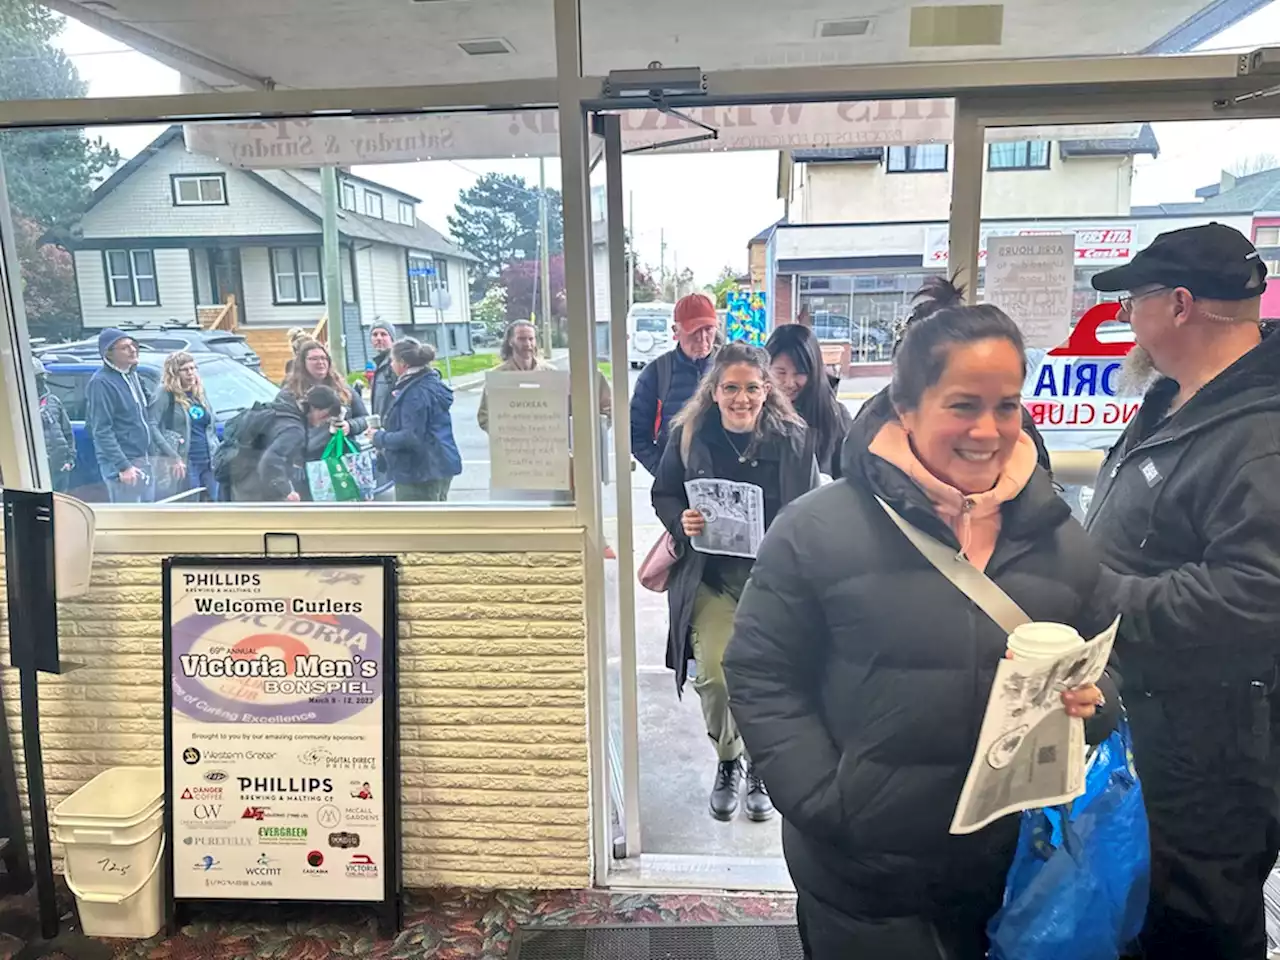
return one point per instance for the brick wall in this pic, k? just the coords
(492, 709)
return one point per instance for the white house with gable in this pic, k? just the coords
(172, 232)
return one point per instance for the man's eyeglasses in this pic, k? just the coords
(1126, 303)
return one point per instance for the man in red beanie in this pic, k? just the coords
(667, 384)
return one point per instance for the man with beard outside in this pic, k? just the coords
(1186, 514)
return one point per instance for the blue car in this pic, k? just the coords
(231, 386)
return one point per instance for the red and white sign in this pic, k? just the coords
(1096, 244)
(1077, 386)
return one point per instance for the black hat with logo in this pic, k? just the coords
(1213, 261)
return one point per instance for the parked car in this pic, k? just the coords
(230, 386)
(170, 338)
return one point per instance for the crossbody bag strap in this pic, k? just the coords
(966, 578)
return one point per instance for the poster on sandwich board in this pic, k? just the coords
(281, 756)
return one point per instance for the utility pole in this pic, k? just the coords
(333, 269)
(662, 261)
(544, 246)
(631, 254)
(675, 272)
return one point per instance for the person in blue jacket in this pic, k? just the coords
(125, 436)
(666, 384)
(417, 434)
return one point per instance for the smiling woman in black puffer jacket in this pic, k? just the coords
(858, 675)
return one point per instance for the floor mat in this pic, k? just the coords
(660, 942)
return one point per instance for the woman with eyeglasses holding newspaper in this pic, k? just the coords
(738, 454)
(859, 675)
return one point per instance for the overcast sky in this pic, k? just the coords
(705, 207)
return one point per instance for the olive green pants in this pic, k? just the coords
(712, 628)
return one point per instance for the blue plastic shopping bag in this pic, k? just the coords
(1079, 881)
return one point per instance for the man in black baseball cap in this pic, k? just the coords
(1186, 514)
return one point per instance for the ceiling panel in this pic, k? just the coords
(336, 43)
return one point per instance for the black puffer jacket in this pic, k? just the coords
(859, 676)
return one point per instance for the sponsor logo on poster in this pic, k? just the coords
(254, 813)
(329, 816)
(282, 834)
(315, 865)
(344, 840)
(206, 863)
(361, 790)
(284, 788)
(362, 865)
(264, 867)
(219, 841)
(360, 815)
(326, 758)
(191, 756)
(207, 811)
(202, 793)
(216, 776)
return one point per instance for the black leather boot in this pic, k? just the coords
(724, 795)
(757, 804)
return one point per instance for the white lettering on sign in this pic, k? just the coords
(1095, 244)
(319, 141)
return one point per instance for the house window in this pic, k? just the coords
(131, 278)
(441, 279)
(1019, 155)
(421, 280)
(1267, 237)
(406, 213)
(373, 204)
(348, 196)
(295, 273)
(205, 190)
(925, 158)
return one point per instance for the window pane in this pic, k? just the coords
(931, 156)
(897, 158)
(1039, 151)
(1005, 156)
(147, 292)
(211, 190)
(280, 283)
(1267, 236)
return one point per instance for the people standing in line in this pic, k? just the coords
(183, 414)
(736, 427)
(859, 675)
(382, 380)
(315, 368)
(59, 439)
(667, 383)
(417, 432)
(796, 364)
(126, 439)
(269, 467)
(1186, 513)
(519, 351)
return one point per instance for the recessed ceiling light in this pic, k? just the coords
(853, 27)
(485, 48)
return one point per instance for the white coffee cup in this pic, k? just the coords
(1043, 641)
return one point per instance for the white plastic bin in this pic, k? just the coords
(112, 830)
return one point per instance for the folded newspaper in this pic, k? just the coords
(734, 515)
(1031, 753)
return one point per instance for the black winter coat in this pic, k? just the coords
(798, 474)
(859, 676)
(1187, 518)
(270, 468)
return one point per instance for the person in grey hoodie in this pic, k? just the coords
(124, 432)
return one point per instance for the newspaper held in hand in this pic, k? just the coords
(1031, 753)
(734, 515)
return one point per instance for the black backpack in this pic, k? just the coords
(240, 435)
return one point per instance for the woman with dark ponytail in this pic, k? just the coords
(858, 674)
(417, 436)
(795, 359)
